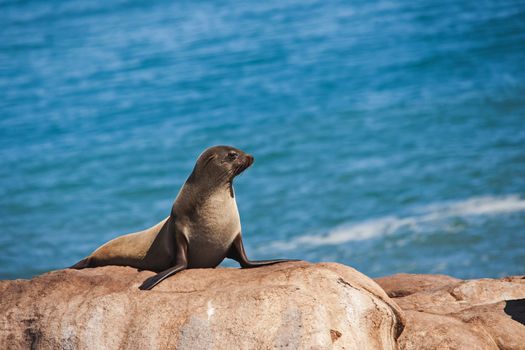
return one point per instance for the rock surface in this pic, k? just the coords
(288, 306)
(443, 312)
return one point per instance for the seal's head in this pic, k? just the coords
(220, 164)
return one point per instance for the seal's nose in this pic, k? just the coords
(250, 159)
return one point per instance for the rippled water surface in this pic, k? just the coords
(388, 135)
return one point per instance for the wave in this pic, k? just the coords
(477, 206)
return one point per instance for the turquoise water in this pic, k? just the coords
(388, 135)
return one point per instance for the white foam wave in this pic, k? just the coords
(486, 205)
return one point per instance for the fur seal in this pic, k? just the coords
(202, 229)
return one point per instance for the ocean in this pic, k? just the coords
(388, 135)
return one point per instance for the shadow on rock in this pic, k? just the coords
(516, 310)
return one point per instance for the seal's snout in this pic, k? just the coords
(245, 161)
(249, 160)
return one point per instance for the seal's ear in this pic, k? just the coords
(209, 159)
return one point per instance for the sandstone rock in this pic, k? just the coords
(446, 313)
(404, 284)
(459, 296)
(429, 331)
(290, 306)
(499, 322)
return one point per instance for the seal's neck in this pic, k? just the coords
(197, 194)
(201, 190)
(208, 184)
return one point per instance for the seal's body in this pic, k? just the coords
(203, 228)
(146, 250)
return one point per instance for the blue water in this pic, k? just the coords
(388, 135)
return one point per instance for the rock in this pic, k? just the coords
(404, 284)
(499, 320)
(290, 306)
(447, 313)
(462, 295)
(429, 331)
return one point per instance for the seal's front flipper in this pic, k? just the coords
(82, 264)
(238, 254)
(154, 280)
(182, 263)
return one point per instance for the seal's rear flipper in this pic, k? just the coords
(238, 254)
(81, 264)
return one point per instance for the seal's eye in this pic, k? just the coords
(232, 156)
